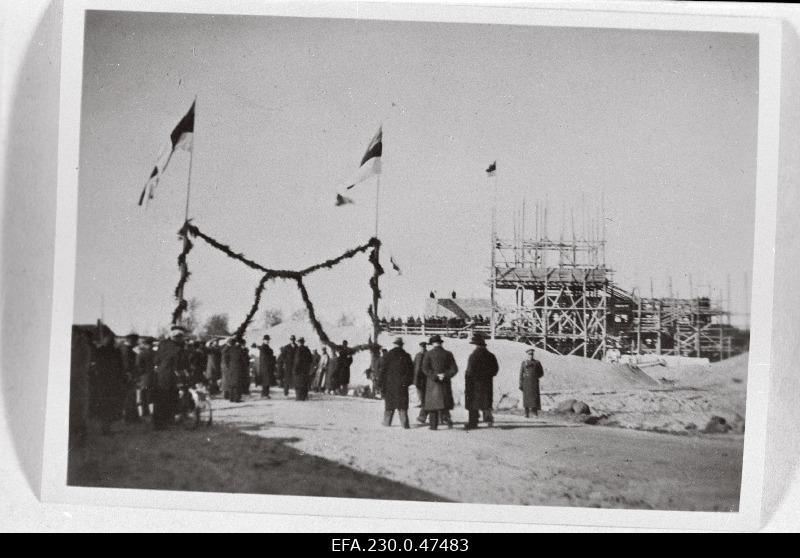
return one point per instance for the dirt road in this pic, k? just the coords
(519, 461)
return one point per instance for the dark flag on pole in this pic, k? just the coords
(371, 161)
(394, 265)
(180, 138)
(492, 169)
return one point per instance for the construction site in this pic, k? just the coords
(560, 296)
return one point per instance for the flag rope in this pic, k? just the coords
(192, 230)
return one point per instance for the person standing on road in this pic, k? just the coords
(233, 360)
(171, 362)
(129, 372)
(439, 367)
(419, 381)
(266, 366)
(320, 372)
(396, 376)
(301, 371)
(145, 367)
(109, 383)
(286, 363)
(529, 374)
(343, 363)
(479, 376)
(331, 377)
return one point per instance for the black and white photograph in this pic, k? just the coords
(414, 260)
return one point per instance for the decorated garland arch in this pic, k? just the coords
(190, 231)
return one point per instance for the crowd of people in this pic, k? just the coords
(434, 322)
(143, 377)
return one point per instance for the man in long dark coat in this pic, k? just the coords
(343, 362)
(439, 367)
(109, 383)
(197, 364)
(419, 381)
(286, 363)
(266, 366)
(396, 376)
(171, 361)
(529, 373)
(301, 371)
(233, 360)
(128, 356)
(482, 367)
(244, 378)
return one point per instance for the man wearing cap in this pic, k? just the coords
(301, 370)
(481, 369)
(266, 366)
(529, 373)
(439, 367)
(286, 363)
(170, 361)
(128, 355)
(395, 377)
(419, 381)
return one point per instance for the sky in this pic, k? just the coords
(661, 126)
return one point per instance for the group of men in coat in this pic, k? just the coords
(431, 372)
(298, 368)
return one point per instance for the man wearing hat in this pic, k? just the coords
(482, 367)
(286, 363)
(170, 362)
(419, 381)
(128, 353)
(529, 373)
(396, 376)
(439, 367)
(301, 371)
(266, 366)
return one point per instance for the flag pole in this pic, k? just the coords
(494, 269)
(191, 160)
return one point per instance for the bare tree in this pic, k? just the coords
(272, 317)
(216, 325)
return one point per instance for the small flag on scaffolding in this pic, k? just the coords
(492, 169)
(180, 138)
(371, 161)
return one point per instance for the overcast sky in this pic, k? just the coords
(662, 124)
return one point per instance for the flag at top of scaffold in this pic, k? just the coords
(180, 138)
(492, 170)
(371, 162)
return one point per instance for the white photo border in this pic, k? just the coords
(55, 455)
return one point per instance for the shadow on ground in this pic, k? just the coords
(221, 459)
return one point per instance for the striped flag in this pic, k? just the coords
(492, 170)
(371, 162)
(180, 138)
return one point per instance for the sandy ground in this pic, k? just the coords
(336, 446)
(680, 398)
